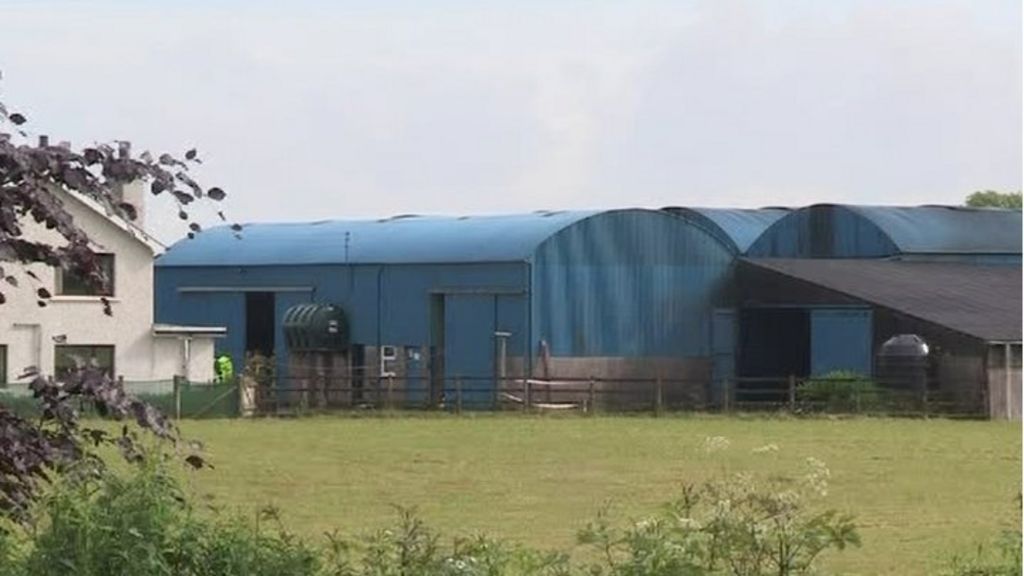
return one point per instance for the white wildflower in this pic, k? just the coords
(818, 476)
(766, 448)
(715, 444)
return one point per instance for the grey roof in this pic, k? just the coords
(980, 301)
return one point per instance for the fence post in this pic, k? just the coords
(177, 383)
(391, 389)
(458, 395)
(590, 396)
(657, 396)
(526, 394)
(726, 395)
(792, 393)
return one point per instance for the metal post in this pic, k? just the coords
(657, 396)
(177, 395)
(590, 396)
(526, 394)
(1007, 388)
(501, 369)
(726, 394)
(792, 393)
(391, 389)
(458, 395)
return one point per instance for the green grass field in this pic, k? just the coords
(921, 490)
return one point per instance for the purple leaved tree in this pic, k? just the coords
(31, 174)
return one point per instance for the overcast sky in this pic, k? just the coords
(350, 109)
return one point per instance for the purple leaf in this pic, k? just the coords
(216, 194)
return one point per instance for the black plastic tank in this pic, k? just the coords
(316, 327)
(903, 363)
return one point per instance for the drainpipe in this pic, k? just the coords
(186, 348)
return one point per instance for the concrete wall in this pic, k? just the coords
(626, 383)
(30, 332)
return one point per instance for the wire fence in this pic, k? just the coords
(174, 397)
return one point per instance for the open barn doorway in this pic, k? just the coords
(259, 323)
(774, 345)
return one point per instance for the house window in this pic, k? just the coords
(69, 357)
(71, 284)
(3, 366)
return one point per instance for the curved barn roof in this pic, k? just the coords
(400, 239)
(947, 229)
(839, 230)
(736, 227)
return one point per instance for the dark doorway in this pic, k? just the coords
(774, 343)
(259, 323)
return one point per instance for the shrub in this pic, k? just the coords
(412, 548)
(735, 526)
(841, 391)
(140, 524)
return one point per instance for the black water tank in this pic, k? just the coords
(903, 363)
(316, 327)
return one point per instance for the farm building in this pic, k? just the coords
(826, 286)
(698, 297)
(615, 294)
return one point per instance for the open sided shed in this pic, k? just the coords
(812, 316)
(619, 294)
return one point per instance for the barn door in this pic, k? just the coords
(723, 352)
(469, 327)
(840, 340)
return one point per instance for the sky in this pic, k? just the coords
(312, 110)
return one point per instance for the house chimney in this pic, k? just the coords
(133, 193)
(44, 140)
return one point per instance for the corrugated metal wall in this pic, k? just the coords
(629, 283)
(385, 304)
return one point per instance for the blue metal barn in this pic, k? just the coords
(825, 286)
(623, 293)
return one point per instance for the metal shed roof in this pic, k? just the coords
(400, 239)
(891, 230)
(947, 228)
(736, 227)
(980, 301)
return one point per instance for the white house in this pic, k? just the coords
(73, 323)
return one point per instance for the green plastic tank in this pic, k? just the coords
(316, 327)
